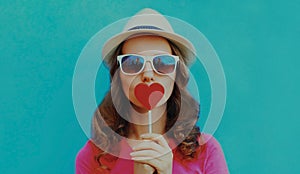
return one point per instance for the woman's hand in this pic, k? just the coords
(154, 151)
(143, 168)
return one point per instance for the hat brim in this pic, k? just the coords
(182, 43)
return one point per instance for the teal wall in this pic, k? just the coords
(257, 42)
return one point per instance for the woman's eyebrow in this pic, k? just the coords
(156, 52)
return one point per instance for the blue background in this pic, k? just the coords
(257, 42)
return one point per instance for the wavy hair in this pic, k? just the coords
(182, 112)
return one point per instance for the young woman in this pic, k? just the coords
(148, 67)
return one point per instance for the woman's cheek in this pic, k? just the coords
(132, 97)
(169, 86)
(128, 85)
(168, 91)
(125, 82)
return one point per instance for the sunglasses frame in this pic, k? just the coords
(146, 59)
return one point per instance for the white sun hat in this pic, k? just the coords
(149, 22)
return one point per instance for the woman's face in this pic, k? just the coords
(147, 46)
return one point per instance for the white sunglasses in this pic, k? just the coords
(133, 64)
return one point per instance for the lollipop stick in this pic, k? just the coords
(150, 122)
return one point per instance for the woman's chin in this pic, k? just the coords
(139, 108)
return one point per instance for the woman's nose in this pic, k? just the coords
(148, 73)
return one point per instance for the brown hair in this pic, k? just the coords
(182, 112)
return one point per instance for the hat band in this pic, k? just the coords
(144, 27)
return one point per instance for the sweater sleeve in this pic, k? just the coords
(215, 163)
(85, 160)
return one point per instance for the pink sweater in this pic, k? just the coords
(210, 160)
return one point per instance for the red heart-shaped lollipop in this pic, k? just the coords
(149, 96)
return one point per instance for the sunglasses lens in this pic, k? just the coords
(164, 64)
(132, 64)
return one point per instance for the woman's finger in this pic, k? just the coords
(157, 138)
(146, 153)
(148, 145)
